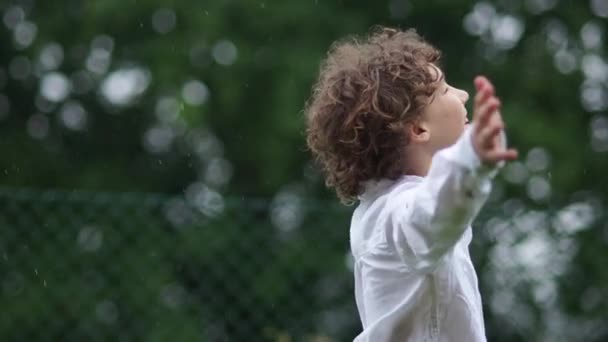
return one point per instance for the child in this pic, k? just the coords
(391, 133)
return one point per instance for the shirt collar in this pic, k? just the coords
(373, 187)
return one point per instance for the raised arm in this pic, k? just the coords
(456, 186)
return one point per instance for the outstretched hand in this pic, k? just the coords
(488, 125)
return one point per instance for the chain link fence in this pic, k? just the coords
(91, 266)
(97, 266)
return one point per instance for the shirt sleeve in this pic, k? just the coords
(440, 209)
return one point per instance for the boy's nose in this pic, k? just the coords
(464, 96)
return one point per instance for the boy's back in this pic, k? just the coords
(414, 280)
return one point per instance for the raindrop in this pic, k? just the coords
(538, 6)
(103, 42)
(195, 93)
(565, 61)
(516, 172)
(205, 144)
(538, 188)
(534, 251)
(218, 172)
(20, 68)
(506, 31)
(209, 202)
(600, 8)
(167, 109)
(286, 211)
(164, 20)
(158, 139)
(90, 238)
(496, 229)
(557, 34)
(545, 292)
(13, 16)
(529, 221)
(55, 87)
(73, 116)
(537, 159)
(599, 133)
(594, 67)
(38, 126)
(122, 86)
(224, 52)
(591, 35)
(478, 21)
(593, 96)
(574, 218)
(502, 301)
(98, 61)
(51, 56)
(25, 33)
(178, 212)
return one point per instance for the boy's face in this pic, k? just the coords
(445, 117)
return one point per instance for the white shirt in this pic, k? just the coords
(414, 279)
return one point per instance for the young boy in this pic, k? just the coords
(391, 133)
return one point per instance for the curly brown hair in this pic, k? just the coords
(367, 90)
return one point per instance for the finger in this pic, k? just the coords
(481, 81)
(488, 136)
(497, 117)
(500, 155)
(482, 114)
(483, 95)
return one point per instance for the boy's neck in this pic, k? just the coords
(418, 161)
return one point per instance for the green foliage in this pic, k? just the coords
(202, 101)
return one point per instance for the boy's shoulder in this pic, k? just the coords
(387, 196)
(379, 204)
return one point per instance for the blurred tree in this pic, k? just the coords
(203, 100)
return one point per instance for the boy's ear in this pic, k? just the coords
(418, 131)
